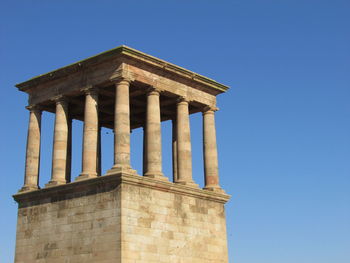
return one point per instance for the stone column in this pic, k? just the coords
(184, 154)
(60, 143)
(210, 151)
(174, 150)
(31, 177)
(122, 128)
(90, 139)
(153, 136)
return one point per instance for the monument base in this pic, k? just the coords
(121, 218)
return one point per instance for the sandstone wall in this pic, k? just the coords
(162, 226)
(121, 218)
(83, 226)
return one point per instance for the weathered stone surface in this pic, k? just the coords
(162, 226)
(91, 135)
(153, 140)
(77, 222)
(121, 218)
(60, 144)
(31, 174)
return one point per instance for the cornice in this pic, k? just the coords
(114, 53)
(114, 181)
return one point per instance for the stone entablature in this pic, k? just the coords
(142, 69)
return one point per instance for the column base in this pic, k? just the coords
(214, 188)
(190, 184)
(157, 176)
(84, 176)
(27, 188)
(121, 169)
(54, 183)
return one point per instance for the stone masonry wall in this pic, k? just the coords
(121, 218)
(162, 226)
(82, 226)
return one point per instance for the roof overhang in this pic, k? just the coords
(114, 53)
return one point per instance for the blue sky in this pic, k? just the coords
(283, 128)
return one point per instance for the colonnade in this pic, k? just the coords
(152, 162)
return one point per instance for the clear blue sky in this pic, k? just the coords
(283, 128)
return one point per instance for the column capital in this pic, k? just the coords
(34, 108)
(182, 100)
(209, 109)
(89, 90)
(120, 79)
(151, 90)
(59, 99)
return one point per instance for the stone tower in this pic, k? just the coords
(121, 216)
